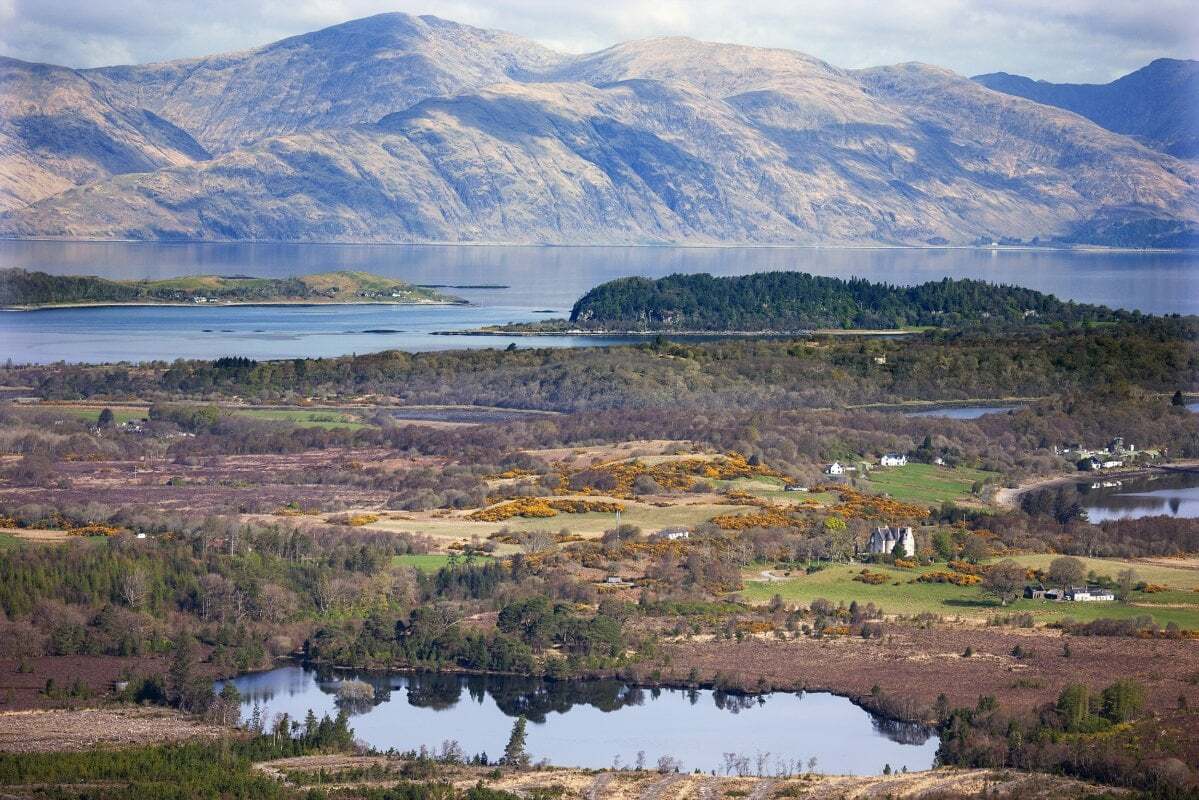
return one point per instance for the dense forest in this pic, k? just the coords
(794, 301)
(20, 288)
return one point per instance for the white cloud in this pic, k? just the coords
(1060, 40)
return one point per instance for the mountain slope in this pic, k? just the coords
(1158, 104)
(398, 128)
(941, 160)
(57, 131)
(350, 73)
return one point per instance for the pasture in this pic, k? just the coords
(928, 484)
(902, 595)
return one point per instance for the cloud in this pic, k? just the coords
(1059, 40)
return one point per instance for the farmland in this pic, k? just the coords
(316, 418)
(901, 594)
(928, 483)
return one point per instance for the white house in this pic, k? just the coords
(676, 535)
(1089, 594)
(893, 460)
(834, 468)
(884, 540)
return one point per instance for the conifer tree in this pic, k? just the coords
(515, 754)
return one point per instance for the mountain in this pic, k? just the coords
(1158, 104)
(432, 131)
(350, 73)
(57, 130)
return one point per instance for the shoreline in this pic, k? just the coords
(1063, 248)
(1006, 497)
(225, 304)
(803, 333)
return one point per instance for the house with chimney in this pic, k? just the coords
(884, 539)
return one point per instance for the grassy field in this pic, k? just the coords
(836, 583)
(7, 540)
(927, 483)
(772, 489)
(429, 562)
(304, 417)
(648, 518)
(90, 413)
(1185, 575)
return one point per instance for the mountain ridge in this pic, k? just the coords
(1157, 104)
(661, 140)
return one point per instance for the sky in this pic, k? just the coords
(1057, 40)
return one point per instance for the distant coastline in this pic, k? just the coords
(22, 290)
(733, 245)
(222, 304)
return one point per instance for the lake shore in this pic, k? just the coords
(1007, 497)
(225, 304)
(689, 334)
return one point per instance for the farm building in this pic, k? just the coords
(893, 460)
(1089, 594)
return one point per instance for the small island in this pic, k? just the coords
(790, 303)
(24, 290)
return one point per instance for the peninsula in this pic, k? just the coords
(23, 290)
(788, 303)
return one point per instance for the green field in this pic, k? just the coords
(769, 488)
(7, 540)
(305, 417)
(89, 413)
(836, 583)
(927, 483)
(429, 562)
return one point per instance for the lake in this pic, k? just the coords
(960, 412)
(541, 281)
(1174, 494)
(592, 723)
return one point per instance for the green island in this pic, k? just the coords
(795, 302)
(21, 289)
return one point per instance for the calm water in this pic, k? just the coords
(590, 723)
(1169, 495)
(960, 412)
(540, 279)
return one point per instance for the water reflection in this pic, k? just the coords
(1171, 494)
(960, 412)
(589, 723)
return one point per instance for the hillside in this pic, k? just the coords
(22, 289)
(793, 301)
(343, 75)
(1157, 104)
(58, 131)
(414, 129)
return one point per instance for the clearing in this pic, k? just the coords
(43, 731)
(449, 527)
